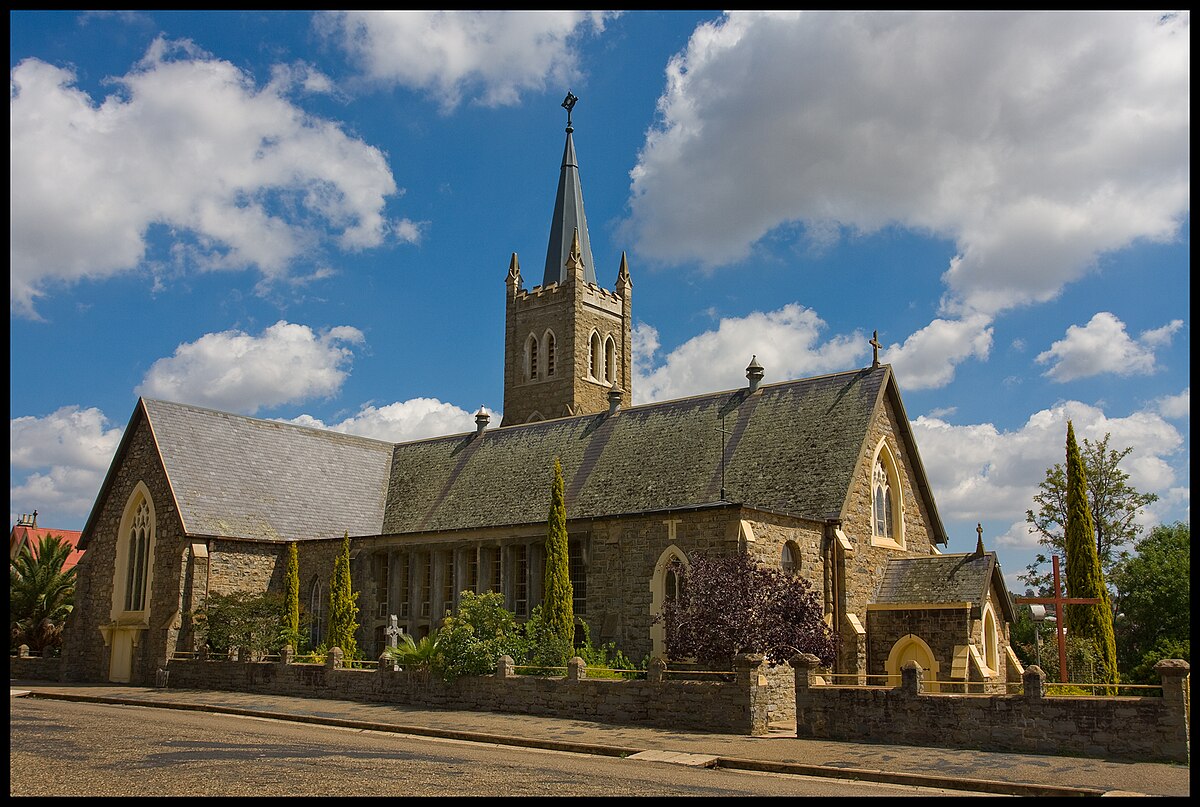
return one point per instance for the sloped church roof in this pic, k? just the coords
(789, 447)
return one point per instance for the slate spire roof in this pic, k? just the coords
(568, 217)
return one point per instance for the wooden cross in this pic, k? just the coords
(874, 343)
(1058, 601)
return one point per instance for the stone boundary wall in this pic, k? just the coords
(34, 668)
(738, 707)
(1135, 729)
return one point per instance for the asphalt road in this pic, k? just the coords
(80, 749)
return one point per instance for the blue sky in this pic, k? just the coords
(309, 217)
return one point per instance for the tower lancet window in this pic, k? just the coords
(549, 343)
(531, 358)
(610, 359)
(594, 357)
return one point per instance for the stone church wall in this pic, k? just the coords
(85, 654)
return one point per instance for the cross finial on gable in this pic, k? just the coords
(979, 544)
(874, 343)
(569, 104)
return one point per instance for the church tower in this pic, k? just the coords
(566, 342)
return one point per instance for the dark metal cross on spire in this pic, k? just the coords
(569, 104)
(874, 343)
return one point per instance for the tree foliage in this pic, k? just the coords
(343, 605)
(1113, 502)
(730, 605)
(228, 622)
(558, 606)
(1154, 605)
(1084, 577)
(40, 594)
(291, 596)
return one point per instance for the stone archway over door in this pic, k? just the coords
(912, 648)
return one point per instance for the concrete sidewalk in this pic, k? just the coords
(778, 752)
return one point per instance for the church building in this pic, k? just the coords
(820, 476)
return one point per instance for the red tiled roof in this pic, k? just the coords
(22, 534)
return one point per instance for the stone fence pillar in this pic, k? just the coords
(386, 664)
(1033, 682)
(1174, 673)
(244, 654)
(912, 678)
(504, 667)
(656, 673)
(576, 669)
(752, 682)
(202, 653)
(287, 655)
(333, 659)
(23, 651)
(805, 665)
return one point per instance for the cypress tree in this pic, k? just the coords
(291, 591)
(343, 605)
(1093, 623)
(558, 608)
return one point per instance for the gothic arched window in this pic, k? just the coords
(595, 357)
(610, 359)
(316, 612)
(140, 533)
(790, 557)
(531, 358)
(887, 523)
(548, 341)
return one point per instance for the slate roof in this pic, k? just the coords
(243, 477)
(791, 447)
(944, 579)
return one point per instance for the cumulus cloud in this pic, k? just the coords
(238, 372)
(231, 174)
(928, 357)
(490, 56)
(979, 472)
(1103, 346)
(402, 421)
(787, 342)
(60, 460)
(1035, 141)
(1178, 406)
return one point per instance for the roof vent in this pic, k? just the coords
(754, 372)
(614, 399)
(481, 420)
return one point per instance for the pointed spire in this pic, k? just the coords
(568, 215)
(573, 263)
(623, 273)
(514, 268)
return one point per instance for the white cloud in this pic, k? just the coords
(235, 371)
(1036, 141)
(491, 56)
(787, 343)
(234, 175)
(1176, 406)
(978, 472)
(928, 357)
(1103, 346)
(68, 452)
(402, 421)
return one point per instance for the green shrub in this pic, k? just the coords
(227, 622)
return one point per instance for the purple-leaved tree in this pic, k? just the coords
(730, 605)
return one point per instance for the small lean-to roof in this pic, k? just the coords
(935, 579)
(236, 476)
(790, 447)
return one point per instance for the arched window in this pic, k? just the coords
(140, 533)
(668, 584)
(548, 340)
(610, 359)
(316, 612)
(531, 358)
(133, 571)
(887, 523)
(790, 558)
(991, 639)
(594, 357)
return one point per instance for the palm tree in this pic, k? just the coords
(41, 594)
